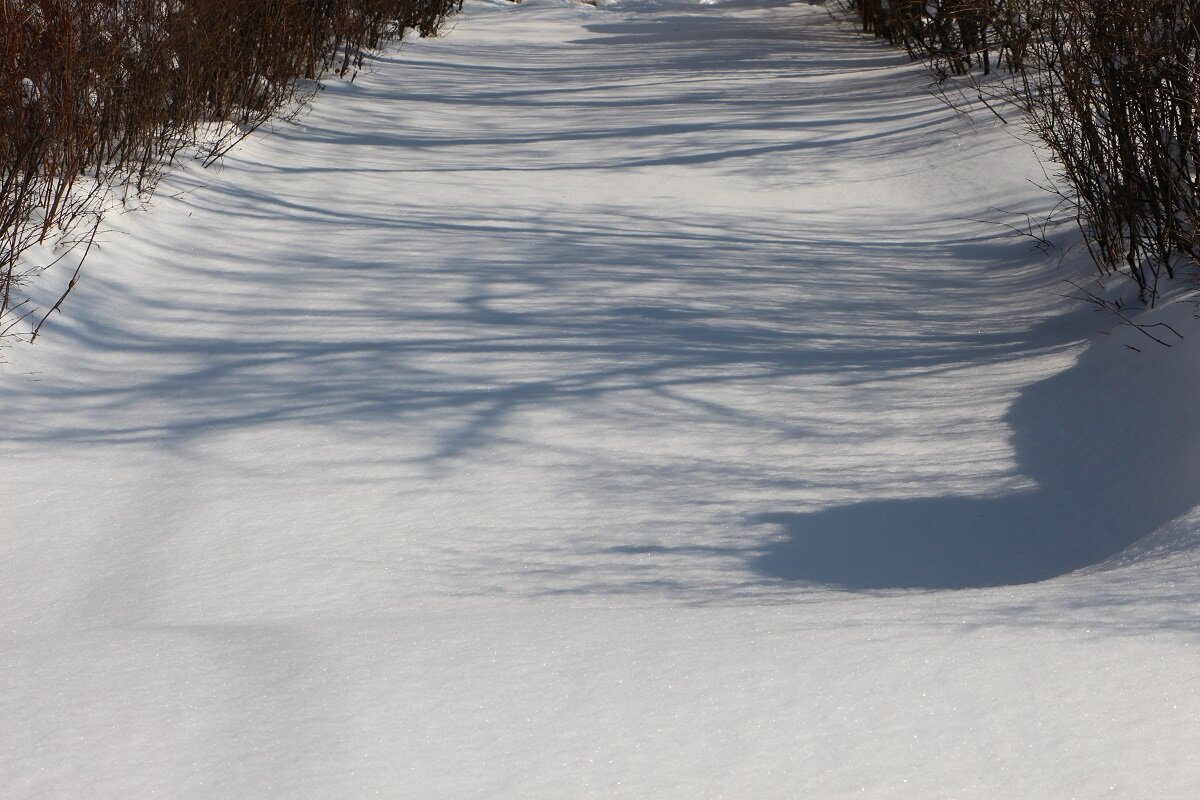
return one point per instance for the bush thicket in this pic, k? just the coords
(99, 96)
(1111, 87)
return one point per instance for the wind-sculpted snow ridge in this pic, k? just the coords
(635, 401)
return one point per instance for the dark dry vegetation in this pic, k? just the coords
(98, 97)
(1110, 86)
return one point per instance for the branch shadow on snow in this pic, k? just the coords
(671, 90)
(1114, 457)
(461, 323)
(634, 315)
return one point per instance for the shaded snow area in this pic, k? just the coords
(641, 401)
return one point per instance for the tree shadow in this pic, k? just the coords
(1114, 457)
(442, 327)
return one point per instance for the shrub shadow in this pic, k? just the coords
(1108, 445)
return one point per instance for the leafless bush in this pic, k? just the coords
(1110, 86)
(100, 96)
(953, 36)
(1115, 99)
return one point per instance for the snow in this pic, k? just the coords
(633, 401)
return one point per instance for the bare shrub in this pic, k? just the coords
(1110, 86)
(1115, 98)
(98, 97)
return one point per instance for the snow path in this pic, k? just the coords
(620, 402)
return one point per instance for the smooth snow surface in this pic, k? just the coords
(624, 402)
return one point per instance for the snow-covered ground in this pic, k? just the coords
(622, 402)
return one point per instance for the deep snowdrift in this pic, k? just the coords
(621, 402)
